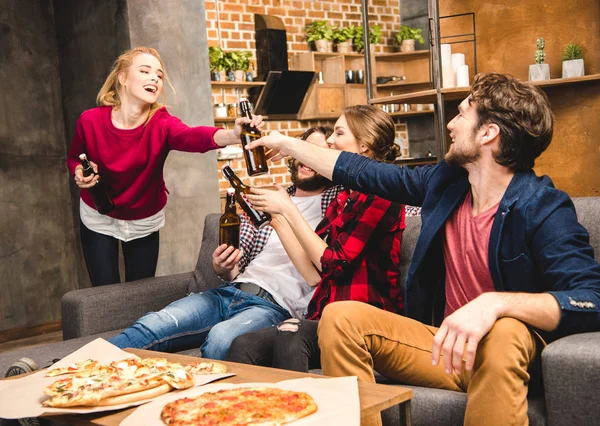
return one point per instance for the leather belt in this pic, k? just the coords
(255, 290)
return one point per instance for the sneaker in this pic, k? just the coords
(22, 366)
(29, 421)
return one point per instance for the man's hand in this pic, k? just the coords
(225, 259)
(466, 326)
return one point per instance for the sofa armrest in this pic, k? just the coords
(571, 369)
(98, 309)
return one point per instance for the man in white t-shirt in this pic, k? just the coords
(261, 285)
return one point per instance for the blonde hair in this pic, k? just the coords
(109, 93)
(375, 129)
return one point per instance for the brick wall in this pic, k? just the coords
(236, 29)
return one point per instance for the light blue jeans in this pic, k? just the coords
(213, 319)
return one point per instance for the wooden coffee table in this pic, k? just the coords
(373, 397)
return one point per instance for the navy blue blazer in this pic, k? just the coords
(536, 243)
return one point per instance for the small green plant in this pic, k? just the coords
(572, 51)
(407, 33)
(341, 35)
(236, 61)
(374, 37)
(540, 55)
(215, 57)
(319, 30)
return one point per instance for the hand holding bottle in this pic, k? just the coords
(86, 181)
(256, 121)
(225, 258)
(272, 202)
(275, 143)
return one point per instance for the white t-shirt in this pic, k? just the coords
(273, 270)
(124, 230)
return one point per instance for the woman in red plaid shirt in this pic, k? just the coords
(354, 252)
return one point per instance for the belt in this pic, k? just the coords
(255, 290)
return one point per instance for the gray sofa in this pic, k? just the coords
(571, 366)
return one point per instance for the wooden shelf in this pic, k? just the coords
(566, 81)
(236, 84)
(411, 113)
(459, 93)
(420, 97)
(401, 84)
(402, 55)
(455, 93)
(414, 161)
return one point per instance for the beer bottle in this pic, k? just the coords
(259, 219)
(229, 223)
(256, 162)
(104, 204)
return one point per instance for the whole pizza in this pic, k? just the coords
(240, 406)
(89, 383)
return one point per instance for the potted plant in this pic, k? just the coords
(321, 33)
(215, 58)
(539, 70)
(406, 37)
(236, 63)
(343, 38)
(572, 65)
(374, 37)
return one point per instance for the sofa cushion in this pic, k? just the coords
(204, 275)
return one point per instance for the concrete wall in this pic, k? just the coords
(38, 260)
(176, 28)
(54, 57)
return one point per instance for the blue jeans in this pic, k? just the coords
(212, 319)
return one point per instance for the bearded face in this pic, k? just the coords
(305, 178)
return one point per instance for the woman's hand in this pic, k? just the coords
(257, 121)
(272, 202)
(86, 181)
(274, 143)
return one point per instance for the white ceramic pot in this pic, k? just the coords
(573, 68)
(407, 46)
(539, 72)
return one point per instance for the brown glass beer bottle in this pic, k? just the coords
(256, 162)
(229, 223)
(259, 219)
(104, 204)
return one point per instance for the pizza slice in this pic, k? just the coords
(82, 368)
(206, 367)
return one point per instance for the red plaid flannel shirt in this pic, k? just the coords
(362, 260)
(253, 241)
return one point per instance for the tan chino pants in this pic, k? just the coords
(356, 338)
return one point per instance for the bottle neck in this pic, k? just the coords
(230, 203)
(245, 109)
(233, 179)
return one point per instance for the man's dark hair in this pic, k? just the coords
(324, 130)
(521, 111)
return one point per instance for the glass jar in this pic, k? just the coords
(232, 110)
(220, 110)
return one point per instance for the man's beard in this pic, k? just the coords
(462, 158)
(309, 184)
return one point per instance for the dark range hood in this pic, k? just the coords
(283, 94)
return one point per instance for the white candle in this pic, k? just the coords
(447, 76)
(446, 50)
(458, 59)
(462, 76)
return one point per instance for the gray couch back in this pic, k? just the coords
(587, 212)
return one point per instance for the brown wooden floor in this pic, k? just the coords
(42, 339)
